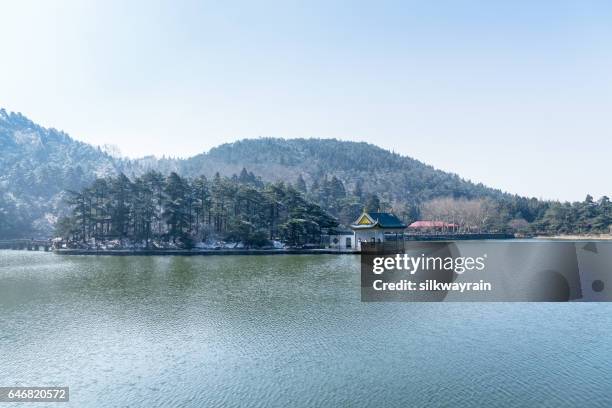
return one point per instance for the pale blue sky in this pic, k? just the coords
(517, 95)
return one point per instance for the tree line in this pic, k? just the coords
(156, 210)
(505, 213)
(519, 215)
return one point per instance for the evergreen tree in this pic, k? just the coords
(301, 185)
(373, 203)
(120, 206)
(358, 191)
(176, 212)
(603, 220)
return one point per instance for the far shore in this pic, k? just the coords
(39, 244)
(587, 237)
(193, 252)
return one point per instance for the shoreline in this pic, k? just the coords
(201, 252)
(595, 237)
(296, 251)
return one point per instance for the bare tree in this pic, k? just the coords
(466, 215)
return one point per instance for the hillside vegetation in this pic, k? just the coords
(38, 166)
(154, 210)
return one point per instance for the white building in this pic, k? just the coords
(342, 240)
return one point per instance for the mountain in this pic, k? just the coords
(39, 165)
(391, 176)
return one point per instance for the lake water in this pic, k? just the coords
(283, 331)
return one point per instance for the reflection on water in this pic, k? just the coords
(283, 331)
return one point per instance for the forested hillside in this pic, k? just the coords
(341, 176)
(359, 165)
(38, 166)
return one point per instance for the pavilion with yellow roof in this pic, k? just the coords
(373, 226)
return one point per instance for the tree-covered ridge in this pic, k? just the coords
(155, 210)
(38, 166)
(503, 213)
(391, 176)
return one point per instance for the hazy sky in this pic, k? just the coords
(517, 95)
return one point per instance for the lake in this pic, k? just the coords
(283, 331)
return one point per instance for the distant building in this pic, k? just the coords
(340, 240)
(376, 227)
(432, 226)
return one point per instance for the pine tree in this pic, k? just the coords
(244, 176)
(301, 185)
(176, 211)
(358, 191)
(373, 203)
(121, 206)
